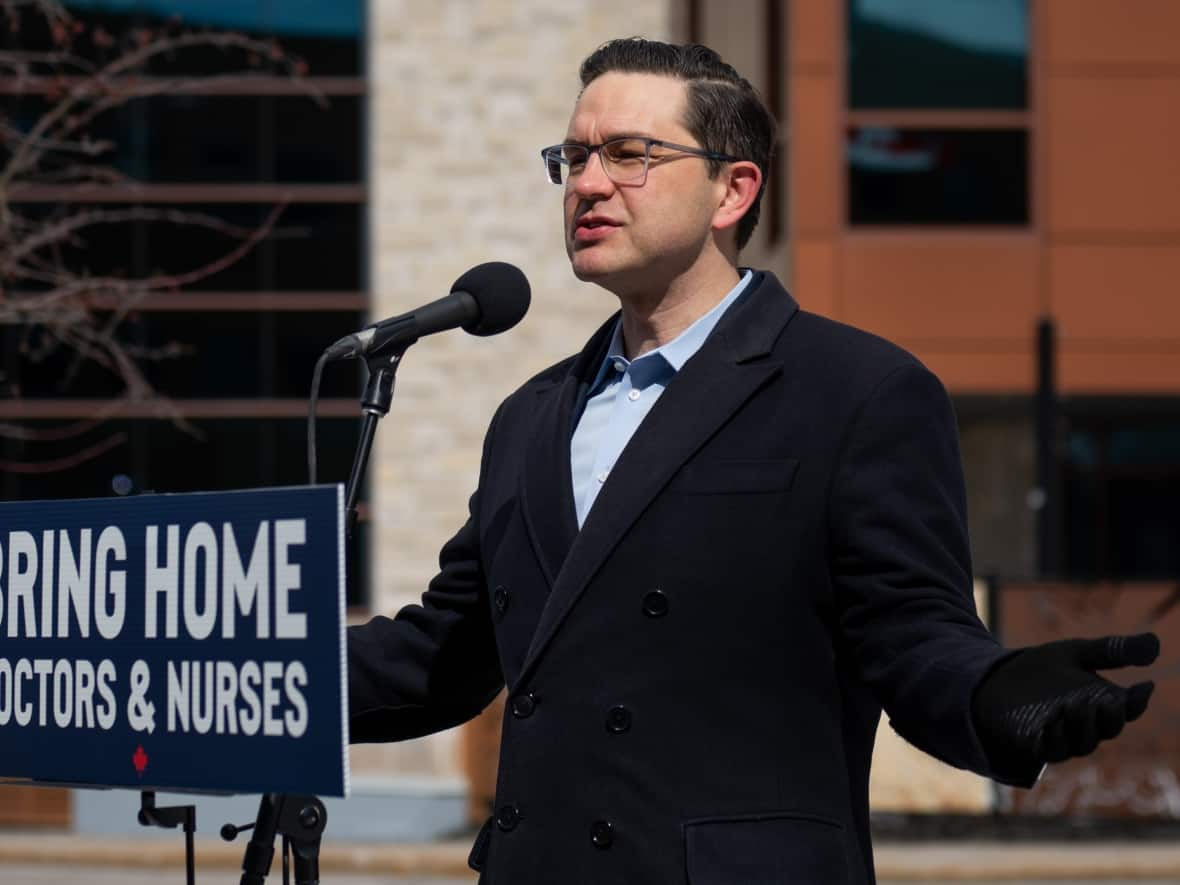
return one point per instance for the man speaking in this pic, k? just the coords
(710, 548)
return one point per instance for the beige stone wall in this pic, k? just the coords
(464, 93)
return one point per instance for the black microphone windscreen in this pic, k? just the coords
(502, 292)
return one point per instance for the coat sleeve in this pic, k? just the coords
(901, 566)
(435, 664)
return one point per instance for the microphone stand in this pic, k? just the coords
(375, 402)
(300, 818)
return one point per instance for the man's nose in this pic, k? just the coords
(593, 179)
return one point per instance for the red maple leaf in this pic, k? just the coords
(139, 759)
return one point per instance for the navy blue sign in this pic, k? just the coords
(191, 642)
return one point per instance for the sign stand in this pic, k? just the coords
(300, 818)
(151, 815)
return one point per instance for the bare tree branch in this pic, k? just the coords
(62, 432)
(99, 86)
(72, 460)
(60, 306)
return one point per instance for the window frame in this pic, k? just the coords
(963, 119)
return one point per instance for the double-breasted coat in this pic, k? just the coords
(696, 676)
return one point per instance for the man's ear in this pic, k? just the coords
(742, 181)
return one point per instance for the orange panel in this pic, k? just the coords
(1123, 31)
(815, 284)
(1114, 145)
(1096, 372)
(994, 373)
(1109, 292)
(928, 286)
(814, 31)
(34, 806)
(815, 155)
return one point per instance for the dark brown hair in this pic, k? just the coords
(725, 113)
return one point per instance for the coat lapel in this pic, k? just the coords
(547, 493)
(729, 368)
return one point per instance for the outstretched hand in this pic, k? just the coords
(1046, 703)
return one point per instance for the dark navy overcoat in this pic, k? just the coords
(695, 677)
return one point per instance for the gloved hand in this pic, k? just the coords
(1046, 704)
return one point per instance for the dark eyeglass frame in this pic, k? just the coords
(554, 158)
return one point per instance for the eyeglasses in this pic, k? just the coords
(624, 160)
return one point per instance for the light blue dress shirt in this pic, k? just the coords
(623, 393)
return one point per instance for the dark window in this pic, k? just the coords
(313, 247)
(946, 177)
(220, 153)
(173, 138)
(211, 454)
(201, 355)
(944, 54)
(325, 35)
(1120, 492)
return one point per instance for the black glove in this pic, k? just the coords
(1045, 703)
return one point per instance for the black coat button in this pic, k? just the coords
(523, 705)
(507, 817)
(618, 720)
(602, 834)
(500, 598)
(655, 604)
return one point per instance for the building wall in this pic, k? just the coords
(1100, 257)
(465, 93)
(1110, 84)
(1102, 251)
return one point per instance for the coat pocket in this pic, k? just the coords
(477, 859)
(786, 849)
(735, 477)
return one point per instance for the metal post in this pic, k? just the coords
(1047, 495)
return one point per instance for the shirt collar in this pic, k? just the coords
(677, 351)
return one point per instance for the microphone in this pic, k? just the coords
(488, 299)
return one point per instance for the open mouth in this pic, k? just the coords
(589, 229)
